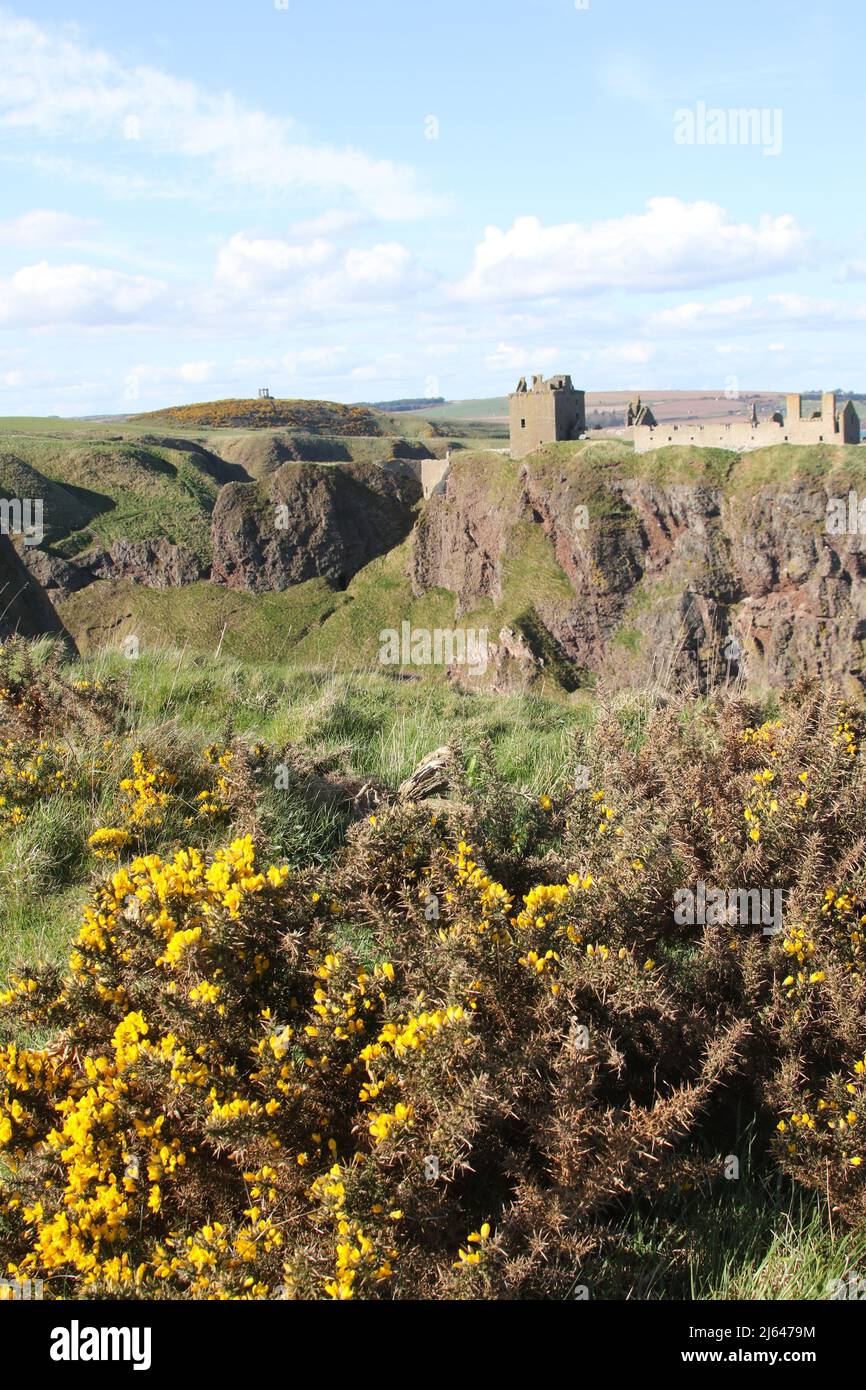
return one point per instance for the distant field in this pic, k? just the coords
(492, 408)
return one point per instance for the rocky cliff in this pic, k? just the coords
(695, 567)
(583, 560)
(304, 522)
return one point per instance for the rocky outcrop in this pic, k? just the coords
(461, 540)
(306, 521)
(803, 600)
(679, 580)
(24, 606)
(158, 564)
(59, 578)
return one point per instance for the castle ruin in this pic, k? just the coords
(824, 426)
(552, 410)
(544, 412)
(640, 414)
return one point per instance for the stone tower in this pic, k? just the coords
(545, 412)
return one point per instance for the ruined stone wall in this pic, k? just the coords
(850, 425)
(430, 472)
(741, 435)
(433, 472)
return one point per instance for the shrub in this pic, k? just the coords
(437, 1062)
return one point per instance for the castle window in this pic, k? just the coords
(523, 424)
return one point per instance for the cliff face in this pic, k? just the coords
(583, 559)
(686, 579)
(305, 522)
(24, 606)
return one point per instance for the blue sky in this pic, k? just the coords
(365, 201)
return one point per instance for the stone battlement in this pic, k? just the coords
(824, 426)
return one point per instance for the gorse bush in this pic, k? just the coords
(437, 1062)
(316, 416)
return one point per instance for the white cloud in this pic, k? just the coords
(748, 312)
(629, 354)
(38, 379)
(316, 275)
(508, 358)
(195, 371)
(329, 223)
(51, 85)
(672, 245)
(43, 227)
(145, 376)
(372, 274)
(320, 361)
(387, 368)
(42, 294)
(851, 270)
(252, 266)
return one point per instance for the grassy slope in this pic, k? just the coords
(310, 623)
(378, 726)
(490, 408)
(327, 416)
(96, 492)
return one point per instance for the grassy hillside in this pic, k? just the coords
(601, 462)
(373, 724)
(100, 486)
(318, 417)
(311, 623)
(103, 483)
(98, 491)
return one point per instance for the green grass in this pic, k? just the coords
(383, 725)
(601, 463)
(745, 1241)
(368, 724)
(484, 409)
(105, 481)
(312, 624)
(98, 492)
(199, 616)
